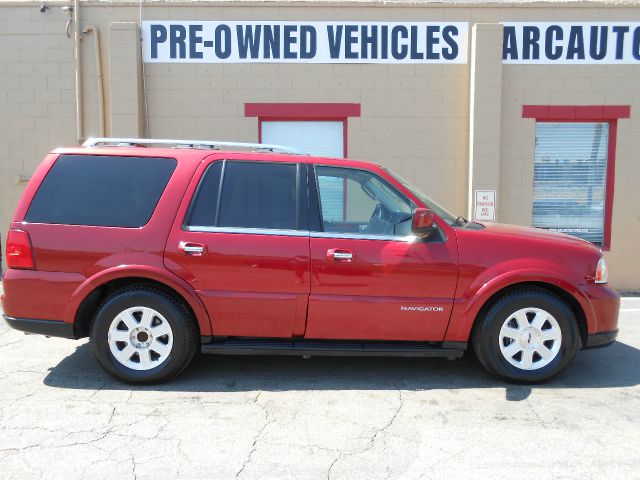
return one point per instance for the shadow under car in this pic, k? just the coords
(611, 367)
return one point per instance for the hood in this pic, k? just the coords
(542, 234)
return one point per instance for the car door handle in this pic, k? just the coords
(191, 248)
(339, 255)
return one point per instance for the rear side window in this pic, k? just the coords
(254, 195)
(100, 190)
(258, 195)
(205, 208)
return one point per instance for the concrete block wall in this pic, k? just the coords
(126, 91)
(415, 118)
(36, 98)
(418, 128)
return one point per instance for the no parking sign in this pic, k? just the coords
(485, 205)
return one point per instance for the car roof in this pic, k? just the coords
(196, 155)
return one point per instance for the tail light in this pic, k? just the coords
(19, 250)
(602, 272)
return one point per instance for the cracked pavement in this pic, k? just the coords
(280, 418)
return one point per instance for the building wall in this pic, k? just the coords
(415, 118)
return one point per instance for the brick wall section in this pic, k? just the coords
(415, 118)
(36, 98)
(125, 81)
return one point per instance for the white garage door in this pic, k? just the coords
(321, 138)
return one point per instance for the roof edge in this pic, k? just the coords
(343, 3)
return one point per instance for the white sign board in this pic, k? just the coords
(304, 42)
(571, 42)
(485, 209)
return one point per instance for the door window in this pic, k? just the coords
(359, 202)
(253, 195)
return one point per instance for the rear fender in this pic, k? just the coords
(141, 271)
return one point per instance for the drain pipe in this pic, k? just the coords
(76, 50)
(96, 33)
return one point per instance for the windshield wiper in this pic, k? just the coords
(461, 221)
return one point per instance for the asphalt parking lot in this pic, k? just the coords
(61, 416)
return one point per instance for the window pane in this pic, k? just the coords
(569, 178)
(203, 211)
(101, 190)
(332, 194)
(372, 206)
(360, 205)
(258, 195)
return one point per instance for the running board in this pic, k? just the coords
(324, 348)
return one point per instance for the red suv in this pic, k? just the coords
(155, 253)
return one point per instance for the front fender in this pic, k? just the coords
(141, 271)
(467, 306)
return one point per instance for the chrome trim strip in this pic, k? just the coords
(248, 231)
(353, 236)
(298, 233)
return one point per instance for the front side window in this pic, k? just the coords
(252, 195)
(570, 170)
(101, 190)
(361, 203)
(445, 215)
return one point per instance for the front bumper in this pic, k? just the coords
(50, 328)
(605, 307)
(601, 339)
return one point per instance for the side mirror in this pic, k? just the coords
(422, 225)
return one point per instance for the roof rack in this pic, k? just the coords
(142, 142)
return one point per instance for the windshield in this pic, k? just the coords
(437, 209)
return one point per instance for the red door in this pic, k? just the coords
(243, 245)
(370, 279)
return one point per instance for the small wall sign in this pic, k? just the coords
(485, 209)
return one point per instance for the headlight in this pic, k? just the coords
(602, 272)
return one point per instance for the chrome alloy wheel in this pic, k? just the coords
(530, 338)
(140, 338)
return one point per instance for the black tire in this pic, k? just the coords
(486, 335)
(183, 326)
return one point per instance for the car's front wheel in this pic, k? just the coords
(526, 336)
(143, 335)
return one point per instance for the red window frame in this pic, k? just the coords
(301, 112)
(589, 113)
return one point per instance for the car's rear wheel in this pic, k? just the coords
(143, 335)
(526, 336)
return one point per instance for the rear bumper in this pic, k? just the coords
(39, 294)
(50, 328)
(601, 339)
